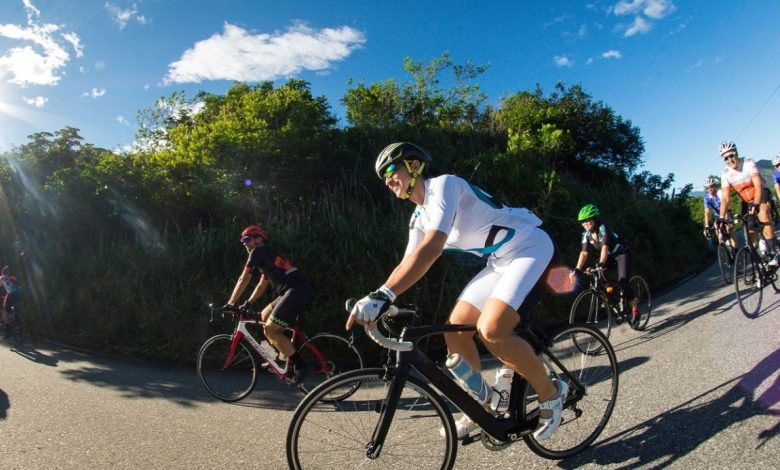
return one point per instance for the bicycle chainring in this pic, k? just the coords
(492, 444)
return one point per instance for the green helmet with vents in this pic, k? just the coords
(588, 212)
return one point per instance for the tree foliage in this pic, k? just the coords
(113, 246)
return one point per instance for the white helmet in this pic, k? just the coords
(776, 160)
(709, 182)
(727, 146)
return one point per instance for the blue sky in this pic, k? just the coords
(687, 73)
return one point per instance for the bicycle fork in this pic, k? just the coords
(387, 408)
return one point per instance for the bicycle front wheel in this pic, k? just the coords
(592, 308)
(589, 360)
(643, 301)
(747, 282)
(228, 381)
(328, 355)
(725, 263)
(339, 434)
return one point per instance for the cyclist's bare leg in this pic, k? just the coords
(274, 333)
(764, 216)
(463, 342)
(496, 328)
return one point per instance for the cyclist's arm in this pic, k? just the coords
(581, 260)
(758, 185)
(724, 202)
(414, 266)
(241, 284)
(707, 211)
(259, 289)
(777, 190)
(604, 254)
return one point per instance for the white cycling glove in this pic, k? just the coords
(374, 304)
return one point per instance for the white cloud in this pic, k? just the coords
(237, 54)
(640, 25)
(122, 17)
(642, 10)
(37, 102)
(94, 93)
(562, 61)
(41, 62)
(121, 120)
(612, 54)
(655, 9)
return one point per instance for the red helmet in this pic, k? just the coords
(255, 231)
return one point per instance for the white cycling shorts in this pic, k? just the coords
(511, 277)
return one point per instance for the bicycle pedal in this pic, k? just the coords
(473, 437)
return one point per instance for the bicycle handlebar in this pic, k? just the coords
(243, 313)
(373, 331)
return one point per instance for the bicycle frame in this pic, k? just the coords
(510, 428)
(242, 333)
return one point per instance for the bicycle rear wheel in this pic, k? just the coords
(337, 435)
(586, 411)
(747, 282)
(643, 301)
(227, 381)
(725, 263)
(592, 308)
(328, 355)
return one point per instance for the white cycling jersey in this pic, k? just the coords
(518, 251)
(472, 220)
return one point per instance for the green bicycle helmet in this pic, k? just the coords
(588, 212)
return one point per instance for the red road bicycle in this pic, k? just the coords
(228, 363)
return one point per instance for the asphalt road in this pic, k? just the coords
(700, 388)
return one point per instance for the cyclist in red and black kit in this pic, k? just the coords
(292, 291)
(11, 286)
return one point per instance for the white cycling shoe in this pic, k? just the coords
(547, 426)
(463, 426)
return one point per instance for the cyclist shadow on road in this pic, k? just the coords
(688, 312)
(29, 352)
(664, 439)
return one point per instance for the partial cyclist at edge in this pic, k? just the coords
(293, 291)
(11, 286)
(453, 215)
(776, 176)
(613, 251)
(742, 175)
(712, 211)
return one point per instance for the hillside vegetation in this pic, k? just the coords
(121, 252)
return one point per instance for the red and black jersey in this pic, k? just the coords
(276, 267)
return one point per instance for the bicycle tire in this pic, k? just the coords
(337, 355)
(644, 301)
(586, 413)
(227, 384)
(337, 435)
(747, 282)
(725, 264)
(591, 307)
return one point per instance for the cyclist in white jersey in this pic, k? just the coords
(742, 175)
(452, 214)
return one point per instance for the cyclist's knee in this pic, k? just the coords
(273, 329)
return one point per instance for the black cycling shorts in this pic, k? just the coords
(289, 305)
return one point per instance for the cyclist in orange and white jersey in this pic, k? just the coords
(742, 175)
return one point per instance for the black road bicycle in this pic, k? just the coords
(603, 302)
(752, 273)
(396, 419)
